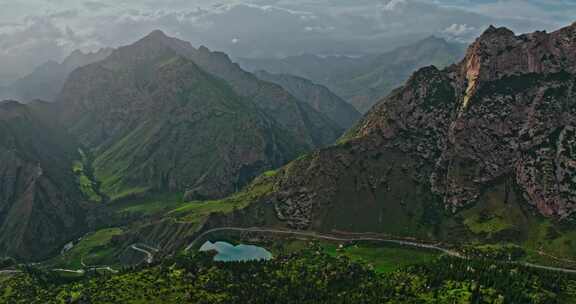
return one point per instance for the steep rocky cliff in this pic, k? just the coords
(485, 147)
(40, 205)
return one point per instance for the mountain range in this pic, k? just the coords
(479, 152)
(362, 81)
(155, 120)
(156, 116)
(457, 187)
(318, 96)
(46, 81)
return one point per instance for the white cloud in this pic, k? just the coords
(266, 27)
(459, 29)
(319, 29)
(393, 5)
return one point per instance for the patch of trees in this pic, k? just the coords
(306, 277)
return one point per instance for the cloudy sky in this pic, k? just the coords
(34, 31)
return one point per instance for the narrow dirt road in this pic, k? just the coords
(359, 237)
(149, 255)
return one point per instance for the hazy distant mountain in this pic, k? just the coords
(323, 70)
(46, 81)
(318, 96)
(364, 80)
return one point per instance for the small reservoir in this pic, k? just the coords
(240, 253)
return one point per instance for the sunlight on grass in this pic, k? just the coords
(152, 204)
(87, 185)
(194, 212)
(384, 259)
(93, 249)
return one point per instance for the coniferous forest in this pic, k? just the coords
(309, 276)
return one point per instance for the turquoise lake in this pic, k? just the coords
(230, 253)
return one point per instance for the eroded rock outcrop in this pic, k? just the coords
(506, 112)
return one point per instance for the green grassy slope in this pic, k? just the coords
(162, 220)
(159, 123)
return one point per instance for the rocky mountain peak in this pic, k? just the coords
(525, 83)
(157, 34)
(154, 45)
(179, 119)
(79, 58)
(502, 53)
(158, 37)
(492, 31)
(499, 53)
(501, 122)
